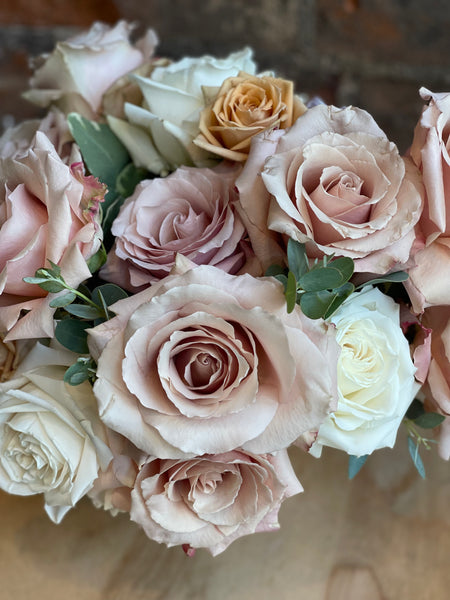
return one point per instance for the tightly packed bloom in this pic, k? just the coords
(79, 71)
(52, 441)
(337, 184)
(429, 279)
(243, 107)
(42, 217)
(160, 134)
(191, 212)
(205, 362)
(210, 501)
(375, 376)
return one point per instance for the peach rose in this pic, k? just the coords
(205, 362)
(191, 212)
(438, 381)
(337, 184)
(210, 501)
(159, 133)
(242, 107)
(78, 72)
(43, 217)
(429, 279)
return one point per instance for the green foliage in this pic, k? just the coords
(416, 416)
(355, 464)
(82, 370)
(71, 333)
(322, 287)
(107, 159)
(413, 448)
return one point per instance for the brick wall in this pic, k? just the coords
(371, 53)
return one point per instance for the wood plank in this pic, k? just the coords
(387, 529)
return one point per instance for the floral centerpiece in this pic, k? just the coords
(201, 268)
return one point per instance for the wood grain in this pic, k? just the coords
(383, 536)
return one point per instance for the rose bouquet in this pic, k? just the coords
(200, 269)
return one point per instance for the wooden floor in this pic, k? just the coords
(385, 534)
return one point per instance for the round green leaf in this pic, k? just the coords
(322, 278)
(291, 291)
(71, 333)
(64, 300)
(429, 420)
(111, 293)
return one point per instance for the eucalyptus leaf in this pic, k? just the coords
(71, 333)
(344, 265)
(429, 420)
(291, 292)
(83, 311)
(52, 286)
(274, 270)
(35, 280)
(396, 277)
(321, 278)
(341, 294)
(104, 154)
(355, 464)
(297, 258)
(415, 409)
(110, 292)
(128, 179)
(62, 301)
(282, 278)
(416, 458)
(76, 374)
(97, 260)
(316, 304)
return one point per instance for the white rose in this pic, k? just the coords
(51, 438)
(159, 134)
(376, 381)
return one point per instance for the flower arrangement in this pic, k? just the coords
(200, 269)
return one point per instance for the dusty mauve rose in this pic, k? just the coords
(210, 501)
(191, 212)
(337, 184)
(438, 381)
(42, 217)
(429, 279)
(205, 362)
(51, 439)
(243, 107)
(78, 72)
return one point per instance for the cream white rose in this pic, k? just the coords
(51, 439)
(159, 134)
(376, 381)
(78, 72)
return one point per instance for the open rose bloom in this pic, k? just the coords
(185, 268)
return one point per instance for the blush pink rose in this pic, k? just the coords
(191, 212)
(45, 214)
(429, 279)
(78, 72)
(210, 501)
(336, 183)
(205, 362)
(438, 381)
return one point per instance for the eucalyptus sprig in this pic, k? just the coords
(322, 287)
(416, 416)
(75, 318)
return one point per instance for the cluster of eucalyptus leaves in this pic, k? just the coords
(319, 287)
